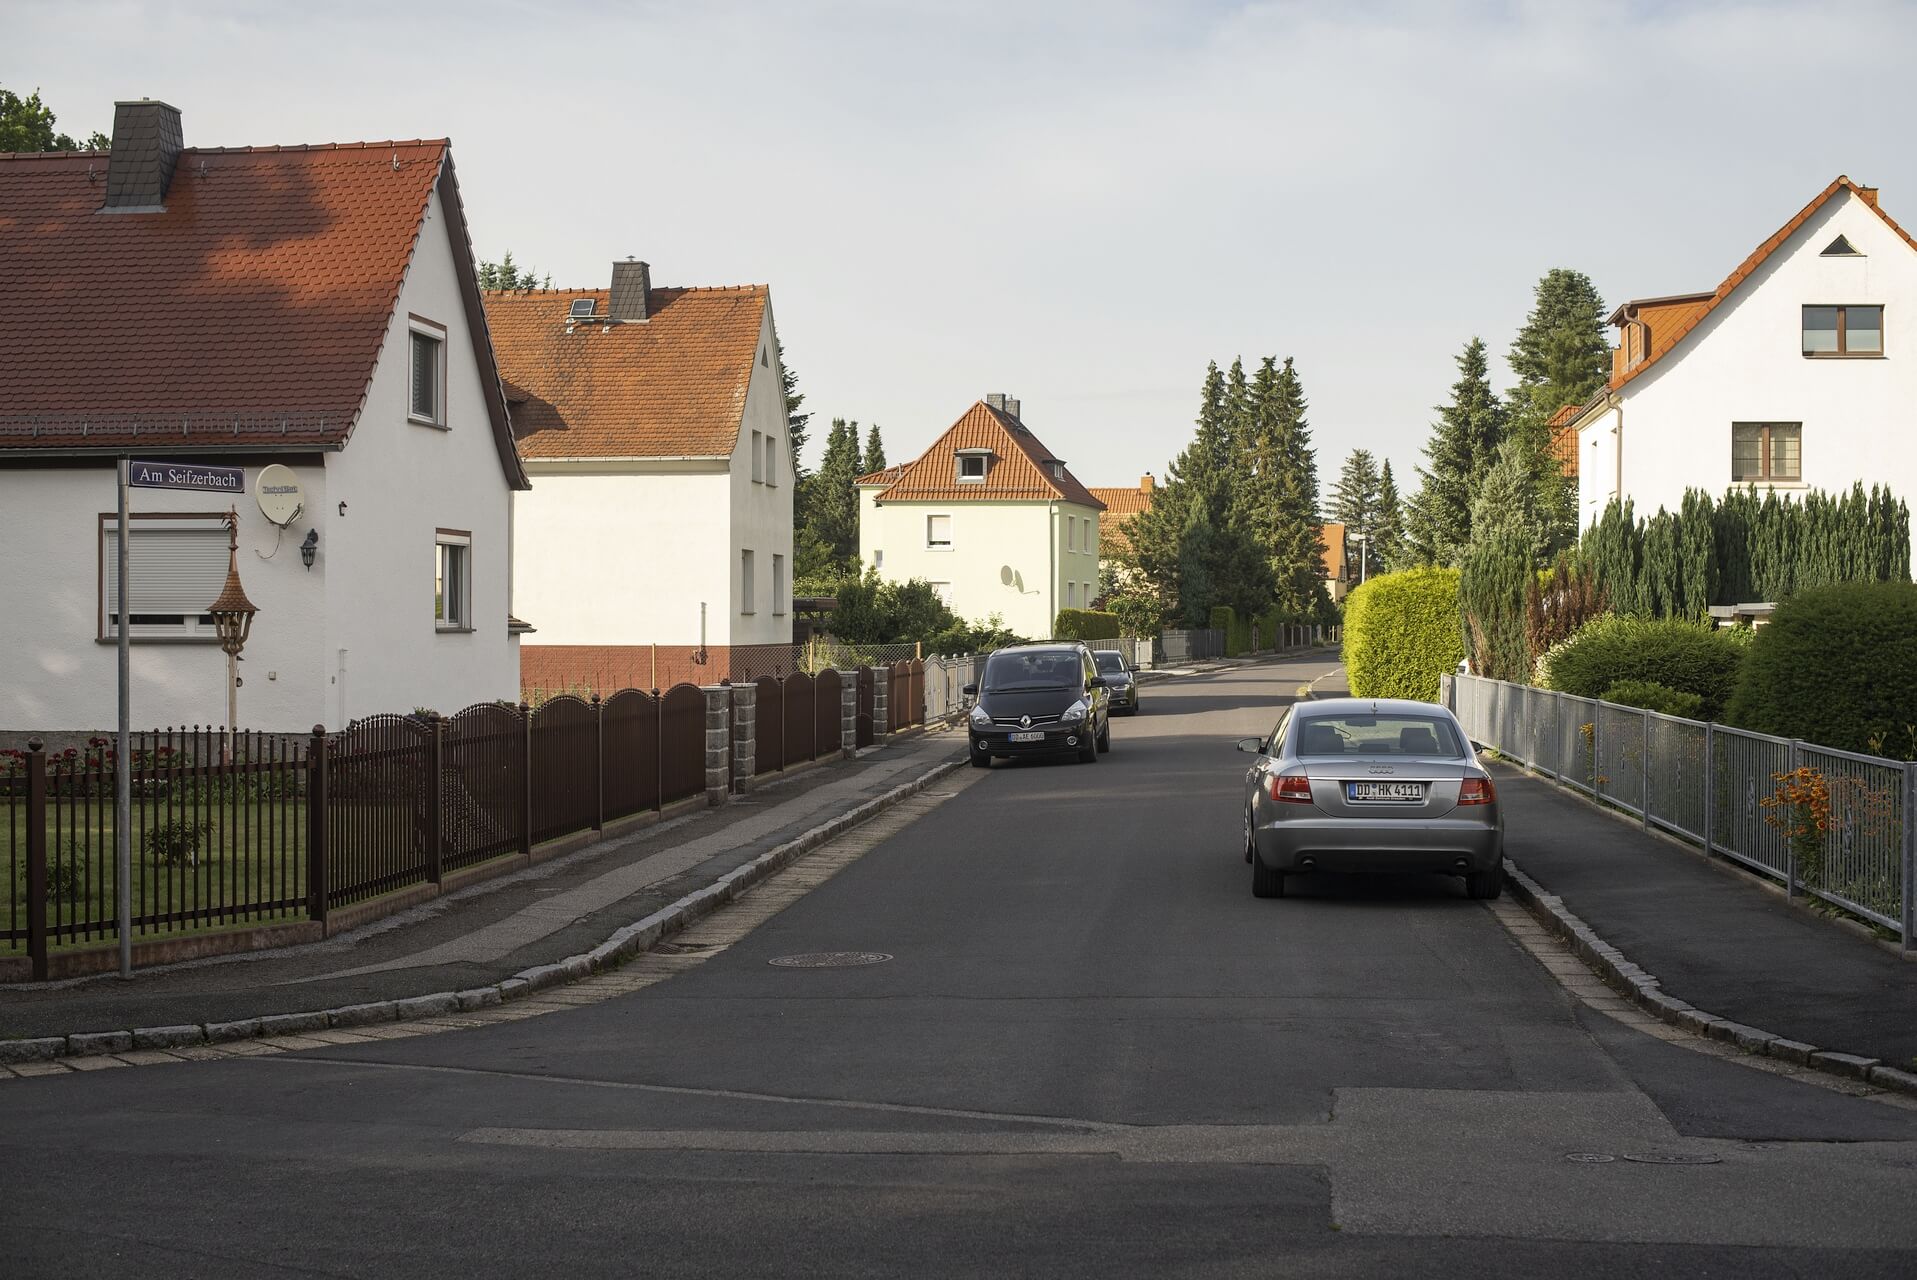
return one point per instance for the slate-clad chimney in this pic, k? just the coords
(630, 281)
(1011, 409)
(146, 147)
(996, 400)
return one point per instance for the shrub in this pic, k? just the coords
(1557, 602)
(1837, 666)
(175, 843)
(1652, 696)
(1680, 655)
(1491, 586)
(1237, 629)
(1401, 634)
(1085, 624)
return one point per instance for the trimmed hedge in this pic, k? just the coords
(1681, 655)
(1836, 666)
(1653, 696)
(1401, 634)
(1237, 630)
(1085, 624)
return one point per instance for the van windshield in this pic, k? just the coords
(1040, 669)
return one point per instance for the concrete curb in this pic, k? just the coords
(1648, 994)
(622, 944)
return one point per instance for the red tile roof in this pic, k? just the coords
(1126, 501)
(1019, 470)
(671, 386)
(249, 314)
(1690, 313)
(883, 476)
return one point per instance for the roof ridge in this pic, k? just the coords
(274, 148)
(657, 288)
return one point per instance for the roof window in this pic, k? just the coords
(582, 308)
(1841, 247)
(973, 464)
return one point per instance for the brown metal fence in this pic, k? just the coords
(565, 777)
(769, 707)
(796, 694)
(629, 766)
(905, 698)
(828, 713)
(682, 742)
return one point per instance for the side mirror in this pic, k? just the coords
(1252, 746)
(970, 691)
(1096, 682)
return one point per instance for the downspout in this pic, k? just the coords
(1617, 474)
(1051, 540)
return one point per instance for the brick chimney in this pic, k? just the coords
(631, 281)
(146, 147)
(1145, 483)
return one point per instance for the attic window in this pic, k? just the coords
(582, 308)
(1058, 471)
(973, 464)
(1841, 247)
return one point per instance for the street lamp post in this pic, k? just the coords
(232, 620)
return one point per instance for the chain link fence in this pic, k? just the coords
(1832, 824)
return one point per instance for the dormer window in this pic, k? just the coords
(1058, 471)
(973, 464)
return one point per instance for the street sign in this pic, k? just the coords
(186, 475)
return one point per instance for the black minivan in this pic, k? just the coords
(1040, 699)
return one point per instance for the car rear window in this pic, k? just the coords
(1407, 734)
(1040, 669)
(1111, 662)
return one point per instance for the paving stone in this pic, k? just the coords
(87, 1043)
(514, 989)
(25, 1069)
(479, 998)
(539, 977)
(1843, 1064)
(361, 1015)
(1744, 1037)
(292, 1042)
(167, 1037)
(146, 1058)
(37, 1049)
(282, 1024)
(1894, 1078)
(426, 1006)
(94, 1062)
(249, 1048)
(198, 1053)
(222, 1032)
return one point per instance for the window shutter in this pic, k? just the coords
(171, 570)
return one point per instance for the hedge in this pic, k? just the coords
(1836, 666)
(1652, 696)
(1237, 630)
(1686, 656)
(1085, 624)
(1401, 634)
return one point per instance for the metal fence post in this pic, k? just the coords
(1644, 773)
(317, 890)
(1790, 846)
(1710, 786)
(598, 763)
(436, 796)
(1557, 736)
(1910, 859)
(37, 858)
(526, 781)
(658, 749)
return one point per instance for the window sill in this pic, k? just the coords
(1843, 355)
(946, 547)
(1770, 484)
(452, 631)
(132, 640)
(418, 421)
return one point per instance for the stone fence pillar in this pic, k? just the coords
(881, 694)
(848, 713)
(745, 736)
(718, 743)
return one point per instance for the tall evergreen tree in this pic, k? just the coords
(874, 459)
(1463, 443)
(1354, 503)
(1387, 537)
(832, 508)
(507, 274)
(1561, 356)
(796, 419)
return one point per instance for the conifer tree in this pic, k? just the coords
(1561, 355)
(795, 430)
(1463, 443)
(832, 508)
(1387, 537)
(1354, 503)
(874, 459)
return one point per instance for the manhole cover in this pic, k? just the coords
(1588, 1157)
(1656, 1157)
(830, 959)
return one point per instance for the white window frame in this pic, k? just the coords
(771, 459)
(748, 581)
(984, 459)
(778, 585)
(943, 590)
(931, 543)
(419, 327)
(758, 458)
(1071, 594)
(459, 620)
(192, 628)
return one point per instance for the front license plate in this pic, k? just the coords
(1035, 735)
(1402, 792)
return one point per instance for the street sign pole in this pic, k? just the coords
(123, 754)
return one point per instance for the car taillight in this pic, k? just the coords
(1291, 788)
(1477, 791)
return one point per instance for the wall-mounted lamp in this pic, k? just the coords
(342, 508)
(309, 548)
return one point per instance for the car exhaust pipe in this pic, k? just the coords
(1308, 864)
(1462, 864)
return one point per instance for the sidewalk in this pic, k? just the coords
(1711, 935)
(490, 931)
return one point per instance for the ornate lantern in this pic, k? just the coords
(233, 621)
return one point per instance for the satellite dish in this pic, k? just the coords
(281, 496)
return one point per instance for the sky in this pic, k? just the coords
(1079, 204)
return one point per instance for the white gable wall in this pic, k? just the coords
(762, 512)
(1744, 363)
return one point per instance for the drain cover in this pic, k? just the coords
(830, 959)
(1588, 1157)
(1654, 1157)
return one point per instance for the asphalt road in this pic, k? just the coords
(1093, 1053)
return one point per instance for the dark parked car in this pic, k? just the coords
(1040, 699)
(1119, 680)
(1356, 784)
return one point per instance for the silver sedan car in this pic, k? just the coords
(1361, 784)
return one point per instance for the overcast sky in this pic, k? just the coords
(1076, 203)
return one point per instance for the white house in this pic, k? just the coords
(991, 518)
(1795, 373)
(313, 307)
(654, 422)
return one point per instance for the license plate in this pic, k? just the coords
(1401, 792)
(1034, 735)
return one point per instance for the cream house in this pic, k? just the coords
(1794, 373)
(991, 518)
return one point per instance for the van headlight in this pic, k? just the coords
(1074, 713)
(980, 719)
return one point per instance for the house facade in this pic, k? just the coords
(653, 421)
(991, 518)
(309, 308)
(1795, 373)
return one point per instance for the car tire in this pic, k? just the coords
(1265, 882)
(1105, 737)
(1088, 754)
(981, 759)
(1251, 851)
(1485, 885)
